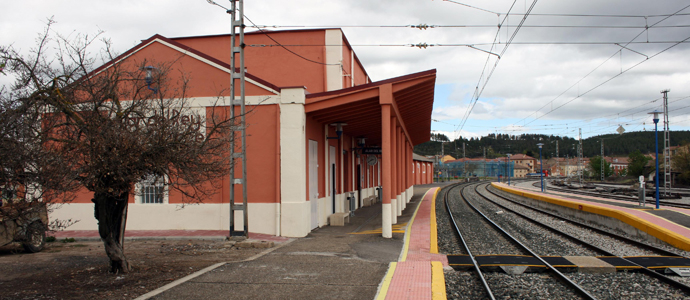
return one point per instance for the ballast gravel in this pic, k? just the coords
(466, 285)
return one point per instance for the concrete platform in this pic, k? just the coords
(665, 224)
(344, 262)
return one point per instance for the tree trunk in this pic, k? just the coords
(111, 213)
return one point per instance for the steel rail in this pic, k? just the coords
(464, 244)
(560, 275)
(598, 230)
(650, 272)
(618, 197)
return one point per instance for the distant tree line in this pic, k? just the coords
(498, 145)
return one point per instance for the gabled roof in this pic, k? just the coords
(184, 49)
(521, 157)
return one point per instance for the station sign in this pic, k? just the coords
(371, 150)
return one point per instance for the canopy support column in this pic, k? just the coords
(386, 210)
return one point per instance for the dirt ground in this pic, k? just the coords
(79, 270)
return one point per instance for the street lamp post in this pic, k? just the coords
(656, 150)
(508, 168)
(541, 168)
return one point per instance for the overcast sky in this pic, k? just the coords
(553, 79)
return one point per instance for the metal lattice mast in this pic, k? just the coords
(237, 76)
(603, 161)
(667, 148)
(579, 157)
(556, 148)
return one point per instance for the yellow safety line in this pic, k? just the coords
(652, 229)
(406, 247)
(398, 228)
(438, 281)
(386, 281)
(434, 231)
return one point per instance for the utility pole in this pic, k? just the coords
(237, 75)
(463, 150)
(579, 157)
(667, 148)
(556, 148)
(484, 162)
(603, 161)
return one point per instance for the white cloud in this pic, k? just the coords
(527, 78)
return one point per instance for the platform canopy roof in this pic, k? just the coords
(360, 107)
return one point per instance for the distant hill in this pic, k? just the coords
(497, 145)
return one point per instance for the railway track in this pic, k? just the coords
(489, 290)
(615, 197)
(483, 201)
(607, 252)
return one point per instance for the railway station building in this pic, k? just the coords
(322, 137)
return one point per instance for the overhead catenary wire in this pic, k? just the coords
(606, 81)
(284, 47)
(425, 26)
(429, 45)
(478, 92)
(432, 26)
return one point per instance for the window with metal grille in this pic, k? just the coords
(152, 190)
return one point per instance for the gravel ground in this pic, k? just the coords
(465, 284)
(448, 241)
(610, 244)
(479, 235)
(626, 285)
(542, 241)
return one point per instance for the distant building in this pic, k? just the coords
(618, 164)
(521, 171)
(525, 160)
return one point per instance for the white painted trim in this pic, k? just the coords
(198, 57)
(227, 70)
(295, 209)
(225, 101)
(387, 222)
(205, 216)
(352, 68)
(334, 59)
(393, 212)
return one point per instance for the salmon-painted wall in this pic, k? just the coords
(207, 81)
(273, 64)
(278, 66)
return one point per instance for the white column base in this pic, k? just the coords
(393, 211)
(400, 205)
(386, 224)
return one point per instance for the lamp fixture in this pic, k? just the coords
(338, 129)
(149, 78)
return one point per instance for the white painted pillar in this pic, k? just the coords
(295, 209)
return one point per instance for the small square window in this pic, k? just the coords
(152, 190)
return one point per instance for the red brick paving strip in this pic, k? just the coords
(412, 278)
(165, 233)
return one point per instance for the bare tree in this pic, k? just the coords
(117, 125)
